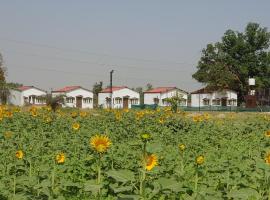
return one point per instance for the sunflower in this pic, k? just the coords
(34, 113)
(161, 120)
(267, 133)
(74, 114)
(200, 160)
(9, 114)
(83, 114)
(60, 158)
(150, 161)
(75, 126)
(267, 158)
(100, 143)
(19, 154)
(146, 136)
(182, 147)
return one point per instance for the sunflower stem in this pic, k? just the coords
(99, 173)
(196, 182)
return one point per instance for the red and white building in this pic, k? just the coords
(27, 95)
(122, 97)
(75, 96)
(159, 95)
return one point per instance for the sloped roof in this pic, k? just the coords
(114, 88)
(23, 88)
(202, 91)
(70, 88)
(163, 90)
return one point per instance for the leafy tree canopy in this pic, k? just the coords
(238, 56)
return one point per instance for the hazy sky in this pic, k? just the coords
(54, 43)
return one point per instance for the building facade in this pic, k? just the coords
(27, 95)
(159, 95)
(206, 97)
(122, 97)
(75, 96)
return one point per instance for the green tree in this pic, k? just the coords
(149, 86)
(238, 56)
(97, 87)
(140, 91)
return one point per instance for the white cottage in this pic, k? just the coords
(75, 96)
(122, 97)
(159, 95)
(27, 95)
(206, 97)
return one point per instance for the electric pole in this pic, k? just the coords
(111, 73)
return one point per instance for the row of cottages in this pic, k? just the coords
(207, 97)
(122, 97)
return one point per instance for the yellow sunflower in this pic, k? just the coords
(267, 133)
(150, 161)
(83, 114)
(100, 143)
(75, 126)
(19, 154)
(9, 114)
(200, 160)
(182, 147)
(60, 158)
(34, 113)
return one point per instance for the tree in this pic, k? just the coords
(174, 101)
(97, 87)
(4, 87)
(149, 86)
(140, 91)
(238, 56)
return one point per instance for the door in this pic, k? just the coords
(224, 102)
(125, 102)
(79, 102)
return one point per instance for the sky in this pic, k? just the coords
(55, 43)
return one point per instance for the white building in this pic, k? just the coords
(75, 96)
(159, 95)
(122, 97)
(206, 97)
(27, 95)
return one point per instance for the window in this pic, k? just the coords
(232, 102)
(206, 102)
(70, 99)
(118, 100)
(134, 101)
(25, 99)
(216, 102)
(87, 100)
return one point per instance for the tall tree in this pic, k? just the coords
(97, 87)
(4, 88)
(238, 56)
(140, 91)
(149, 86)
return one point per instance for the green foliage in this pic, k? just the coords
(97, 87)
(238, 56)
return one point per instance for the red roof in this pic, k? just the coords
(22, 88)
(160, 90)
(114, 88)
(67, 89)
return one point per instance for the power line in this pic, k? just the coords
(92, 53)
(95, 63)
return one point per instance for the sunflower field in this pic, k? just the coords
(133, 155)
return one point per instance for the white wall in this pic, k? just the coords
(149, 97)
(118, 93)
(229, 94)
(74, 93)
(17, 97)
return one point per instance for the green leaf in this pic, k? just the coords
(92, 186)
(123, 175)
(170, 184)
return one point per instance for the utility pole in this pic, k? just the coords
(111, 73)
